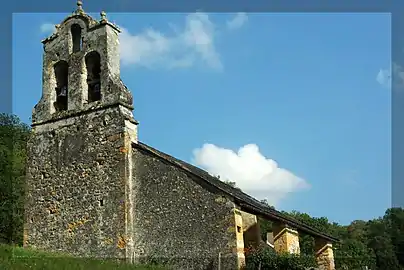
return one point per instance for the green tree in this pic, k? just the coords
(394, 223)
(13, 138)
(379, 240)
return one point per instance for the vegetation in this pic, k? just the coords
(378, 243)
(18, 258)
(13, 137)
(266, 258)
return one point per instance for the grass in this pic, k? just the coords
(18, 258)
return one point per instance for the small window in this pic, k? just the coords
(76, 38)
(101, 202)
(238, 229)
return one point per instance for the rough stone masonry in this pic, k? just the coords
(79, 166)
(94, 190)
(88, 187)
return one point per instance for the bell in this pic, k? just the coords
(63, 91)
(97, 88)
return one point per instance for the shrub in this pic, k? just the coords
(267, 258)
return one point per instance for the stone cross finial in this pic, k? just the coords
(79, 6)
(103, 16)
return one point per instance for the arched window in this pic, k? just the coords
(93, 64)
(61, 75)
(76, 37)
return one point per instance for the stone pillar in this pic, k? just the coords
(285, 239)
(239, 238)
(270, 239)
(251, 231)
(324, 254)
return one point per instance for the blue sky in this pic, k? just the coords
(293, 107)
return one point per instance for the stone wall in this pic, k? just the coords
(178, 219)
(77, 184)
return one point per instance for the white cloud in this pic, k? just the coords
(384, 77)
(255, 174)
(48, 28)
(153, 49)
(238, 21)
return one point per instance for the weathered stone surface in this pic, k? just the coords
(251, 230)
(178, 219)
(79, 182)
(324, 254)
(240, 238)
(100, 37)
(76, 185)
(285, 239)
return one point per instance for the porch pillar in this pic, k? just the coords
(324, 254)
(239, 239)
(251, 231)
(286, 239)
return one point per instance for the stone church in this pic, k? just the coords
(95, 190)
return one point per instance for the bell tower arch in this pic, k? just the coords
(87, 52)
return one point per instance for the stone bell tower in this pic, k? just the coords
(79, 168)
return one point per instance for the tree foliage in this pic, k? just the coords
(13, 138)
(266, 258)
(378, 243)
